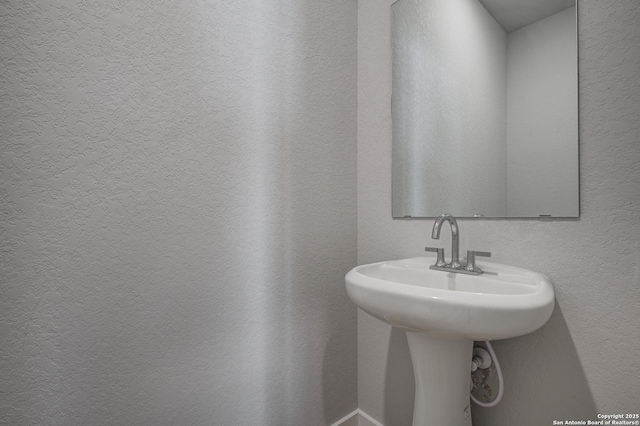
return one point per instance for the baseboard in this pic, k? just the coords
(350, 419)
(357, 418)
(366, 420)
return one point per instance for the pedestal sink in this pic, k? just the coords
(443, 313)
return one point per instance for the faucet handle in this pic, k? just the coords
(480, 253)
(440, 260)
(471, 260)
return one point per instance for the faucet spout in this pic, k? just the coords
(455, 237)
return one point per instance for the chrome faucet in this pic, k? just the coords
(455, 237)
(454, 265)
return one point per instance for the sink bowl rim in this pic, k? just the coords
(541, 283)
(361, 288)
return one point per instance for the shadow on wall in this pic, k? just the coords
(544, 380)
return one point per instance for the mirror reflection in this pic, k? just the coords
(484, 108)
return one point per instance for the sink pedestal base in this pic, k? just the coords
(442, 370)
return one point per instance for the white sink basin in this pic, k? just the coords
(503, 302)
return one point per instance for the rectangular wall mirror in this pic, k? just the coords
(484, 108)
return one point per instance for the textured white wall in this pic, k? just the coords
(542, 112)
(178, 212)
(450, 108)
(587, 358)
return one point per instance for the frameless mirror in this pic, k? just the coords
(485, 108)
